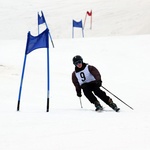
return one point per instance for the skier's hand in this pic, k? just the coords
(98, 83)
(79, 94)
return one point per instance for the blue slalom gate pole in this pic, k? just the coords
(48, 80)
(82, 33)
(19, 97)
(38, 26)
(48, 29)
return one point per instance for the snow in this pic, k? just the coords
(122, 58)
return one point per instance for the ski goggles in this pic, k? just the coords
(78, 62)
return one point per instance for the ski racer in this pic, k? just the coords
(87, 78)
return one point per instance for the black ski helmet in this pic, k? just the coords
(77, 58)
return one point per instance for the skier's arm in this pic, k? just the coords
(94, 71)
(76, 83)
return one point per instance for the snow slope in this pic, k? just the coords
(110, 17)
(123, 63)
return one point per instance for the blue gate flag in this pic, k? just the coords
(35, 42)
(41, 18)
(77, 24)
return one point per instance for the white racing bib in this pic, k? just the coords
(84, 76)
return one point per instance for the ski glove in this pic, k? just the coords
(79, 94)
(98, 83)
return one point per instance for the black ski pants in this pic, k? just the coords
(92, 89)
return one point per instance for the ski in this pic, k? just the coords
(101, 110)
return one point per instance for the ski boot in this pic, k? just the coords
(113, 105)
(98, 106)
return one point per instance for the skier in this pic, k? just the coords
(88, 78)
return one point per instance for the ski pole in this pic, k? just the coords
(80, 102)
(117, 97)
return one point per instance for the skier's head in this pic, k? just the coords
(77, 60)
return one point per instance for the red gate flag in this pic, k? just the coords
(89, 13)
(35, 42)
